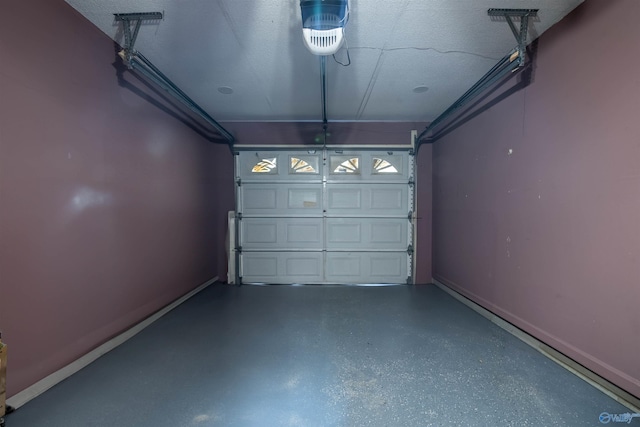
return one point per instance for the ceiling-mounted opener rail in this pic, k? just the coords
(519, 34)
(513, 61)
(323, 78)
(137, 61)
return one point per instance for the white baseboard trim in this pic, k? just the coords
(605, 386)
(46, 383)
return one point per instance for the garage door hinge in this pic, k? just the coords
(410, 216)
(239, 249)
(410, 250)
(239, 215)
(411, 182)
(239, 182)
(411, 152)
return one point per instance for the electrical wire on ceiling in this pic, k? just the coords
(346, 44)
(343, 23)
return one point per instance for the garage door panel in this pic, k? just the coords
(260, 198)
(389, 199)
(282, 267)
(343, 233)
(390, 232)
(260, 265)
(372, 267)
(278, 199)
(259, 233)
(307, 265)
(367, 234)
(307, 198)
(367, 199)
(343, 267)
(387, 265)
(344, 198)
(281, 233)
(298, 231)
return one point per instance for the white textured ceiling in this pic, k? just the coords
(256, 48)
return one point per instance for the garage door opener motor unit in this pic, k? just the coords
(323, 23)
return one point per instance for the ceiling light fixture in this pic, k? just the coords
(225, 90)
(420, 89)
(323, 23)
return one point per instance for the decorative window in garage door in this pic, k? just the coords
(345, 164)
(266, 166)
(303, 165)
(385, 165)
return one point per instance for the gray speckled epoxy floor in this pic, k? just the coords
(320, 356)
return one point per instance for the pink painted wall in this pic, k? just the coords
(424, 201)
(357, 133)
(548, 236)
(109, 204)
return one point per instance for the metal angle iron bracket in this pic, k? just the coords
(521, 33)
(130, 38)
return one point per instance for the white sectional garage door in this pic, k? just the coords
(324, 216)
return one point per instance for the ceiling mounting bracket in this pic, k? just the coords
(136, 19)
(521, 34)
